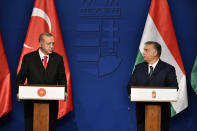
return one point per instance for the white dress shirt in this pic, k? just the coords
(42, 56)
(153, 65)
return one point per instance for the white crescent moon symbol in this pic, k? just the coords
(42, 14)
(25, 45)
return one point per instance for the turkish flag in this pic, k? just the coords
(44, 19)
(5, 83)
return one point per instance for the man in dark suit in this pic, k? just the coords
(153, 72)
(46, 67)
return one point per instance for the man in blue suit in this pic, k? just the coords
(153, 72)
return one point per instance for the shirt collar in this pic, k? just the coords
(154, 65)
(42, 55)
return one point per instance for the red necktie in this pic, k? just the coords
(45, 62)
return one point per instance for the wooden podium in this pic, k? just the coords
(41, 110)
(153, 94)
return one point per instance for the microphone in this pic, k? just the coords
(129, 107)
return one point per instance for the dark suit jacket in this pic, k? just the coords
(163, 75)
(33, 69)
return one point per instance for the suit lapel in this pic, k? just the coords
(38, 62)
(157, 68)
(50, 63)
(145, 70)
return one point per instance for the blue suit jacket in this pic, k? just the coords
(163, 75)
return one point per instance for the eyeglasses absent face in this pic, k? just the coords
(47, 45)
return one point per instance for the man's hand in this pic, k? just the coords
(17, 95)
(66, 96)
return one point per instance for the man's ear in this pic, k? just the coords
(40, 44)
(155, 53)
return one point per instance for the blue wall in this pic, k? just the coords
(101, 38)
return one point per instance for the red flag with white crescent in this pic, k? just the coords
(5, 83)
(44, 19)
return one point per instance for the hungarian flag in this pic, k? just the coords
(159, 28)
(194, 76)
(5, 83)
(44, 19)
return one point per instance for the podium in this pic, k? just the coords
(41, 110)
(153, 94)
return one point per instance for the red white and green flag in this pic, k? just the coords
(159, 27)
(194, 76)
(44, 19)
